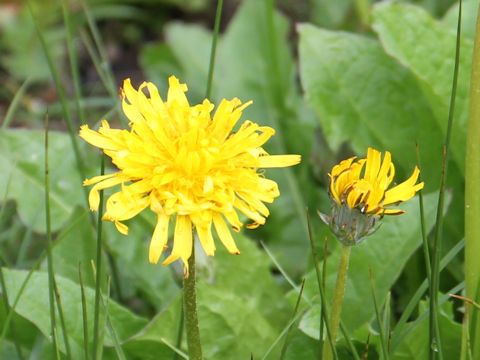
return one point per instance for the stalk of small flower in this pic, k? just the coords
(360, 198)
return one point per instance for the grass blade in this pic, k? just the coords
(426, 251)
(284, 331)
(84, 313)
(211, 64)
(290, 328)
(424, 315)
(436, 350)
(74, 69)
(104, 65)
(283, 272)
(321, 290)
(379, 319)
(398, 330)
(98, 269)
(111, 329)
(62, 95)
(58, 300)
(14, 104)
(346, 336)
(175, 349)
(51, 274)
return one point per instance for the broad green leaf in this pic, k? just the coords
(310, 323)
(153, 282)
(25, 334)
(34, 305)
(302, 347)
(416, 344)
(22, 157)
(385, 253)
(254, 63)
(151, 342)
(363, 96)
(469, 17)
(427, 48)
(241, 302)
(330, 14)
(241, 308)
(248, 276)
(233, 327)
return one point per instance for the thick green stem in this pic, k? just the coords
(190, 311)
(334, 320)
(472, 200)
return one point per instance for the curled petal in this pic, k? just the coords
(159, 238)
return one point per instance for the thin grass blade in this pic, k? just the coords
(84, 313)
(62, 96)
(98, 269)
(63, 325)
(436, 350)
(379, 320)
(290, 328)
(346, 336)
(321, 290)
(399, 328)
(12, 108)
(423, 316)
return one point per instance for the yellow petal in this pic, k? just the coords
(96, 139)
(159, 238)
(344, 164)
(122, 228)
(275, 161)
(405, 190)
(224, 234)
(124, 205)
(245, 209)
(387, 171)
(373, 165)
(97, 179)
(94, 196)
(176, 92)
(393, 212)
(206, 239)
(182, 242)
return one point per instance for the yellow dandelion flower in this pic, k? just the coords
(187, 167)
(361, 195)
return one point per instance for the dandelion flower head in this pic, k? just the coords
(361, 195)
(190, 169)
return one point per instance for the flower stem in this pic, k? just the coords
(190, 311)
(337, 301)
(472, 200)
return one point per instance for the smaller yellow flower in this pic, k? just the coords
(360, 194)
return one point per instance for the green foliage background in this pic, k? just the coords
(331, 81)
